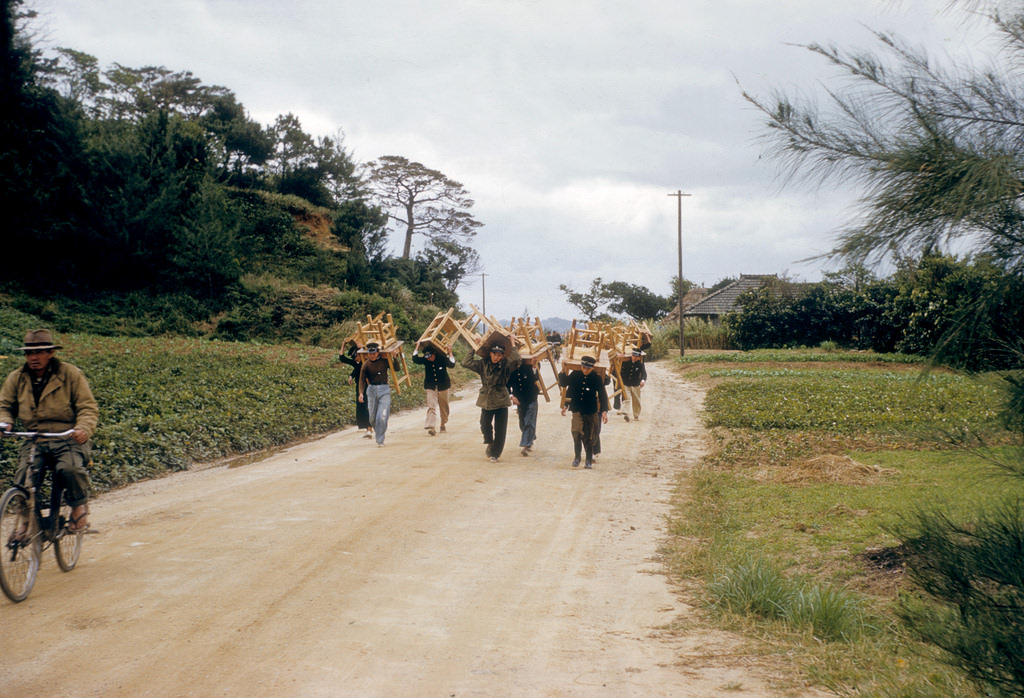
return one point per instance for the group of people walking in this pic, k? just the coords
(506, 380)
(47, 394)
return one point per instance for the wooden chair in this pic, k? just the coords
(535, 346)
(442, 332)
(582, 341)
(381, 329)
(481, 332)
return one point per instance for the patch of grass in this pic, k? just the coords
(811, 469)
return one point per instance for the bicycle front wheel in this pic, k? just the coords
(67, 544)
(19, 557)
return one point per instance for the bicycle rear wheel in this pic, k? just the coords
(67, 544)
(19, 557)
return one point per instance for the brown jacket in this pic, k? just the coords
(66, 402)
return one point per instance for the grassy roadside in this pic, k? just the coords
(786, 527)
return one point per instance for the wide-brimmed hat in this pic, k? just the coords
(39, 339)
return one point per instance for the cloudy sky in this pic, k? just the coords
(570, 122)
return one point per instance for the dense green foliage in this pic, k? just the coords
(141, 201)
(169, 403)
(964, 313)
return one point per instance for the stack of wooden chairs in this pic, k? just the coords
(381, 329)
(482, 332)
(608, 342)
(592, 340)
(533, 344)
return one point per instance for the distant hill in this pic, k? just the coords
(556, 323)
(551, 323)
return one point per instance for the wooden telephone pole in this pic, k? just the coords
(679, 199)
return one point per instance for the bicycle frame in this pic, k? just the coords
(33, 529)
(47, 525)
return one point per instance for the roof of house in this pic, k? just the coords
(723, 300)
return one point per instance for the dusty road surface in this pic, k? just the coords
(337, 568)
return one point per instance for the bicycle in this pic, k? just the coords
(34, 515)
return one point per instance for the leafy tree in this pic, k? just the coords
(42, 169)
(362, 229)
(423, 201)
(638, 302)
(240, 146)
(314, 169)
(76, 75)
(589, 302)
(939, 153)
(687, 287)
(451, 260)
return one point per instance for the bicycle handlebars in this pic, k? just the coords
(39, 434)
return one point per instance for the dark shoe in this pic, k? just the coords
(431, 431)
(575, 462)
(525, 451)
(487, 451)
(442, 428)
(492, 459)
(589, 465)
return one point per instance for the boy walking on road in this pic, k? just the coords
(375, 390)
(436, 383)
(634, 377)
(588, 402)
(523, 386)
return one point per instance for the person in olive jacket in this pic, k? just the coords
(494, 399)
(436, 383)
(47, 394)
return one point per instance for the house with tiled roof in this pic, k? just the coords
(713, 306)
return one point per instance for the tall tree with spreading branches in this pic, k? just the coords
(422, 201)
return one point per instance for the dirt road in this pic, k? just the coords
(336, 568)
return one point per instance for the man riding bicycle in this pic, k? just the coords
(47, 394)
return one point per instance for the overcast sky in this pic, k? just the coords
(568, 121)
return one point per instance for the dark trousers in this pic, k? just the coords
(362, 413)
(493, 425)
(586, 434)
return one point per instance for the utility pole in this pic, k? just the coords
(679, 200)
(483, 291)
